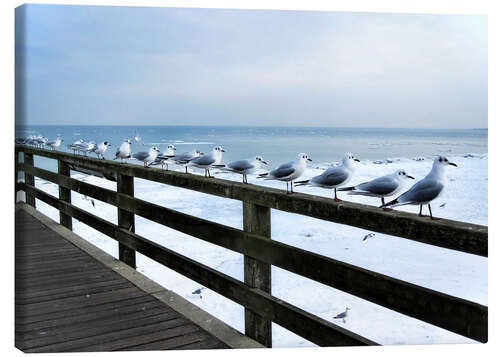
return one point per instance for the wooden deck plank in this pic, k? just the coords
(68, 301)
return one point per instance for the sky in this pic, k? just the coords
(101, 65)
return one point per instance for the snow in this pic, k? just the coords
(455, 273)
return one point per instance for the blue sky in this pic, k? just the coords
(169, 66)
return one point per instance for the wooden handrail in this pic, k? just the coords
(454, 314)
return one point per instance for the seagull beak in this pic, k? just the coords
(222, 150)
(356, 160)
(264, 162)
(309, 159)
(453, 164)
(413, 178)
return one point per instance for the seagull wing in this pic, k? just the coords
(282, 172)
(380, 186)
(331, 177)
(240, 165)
(141, 155)
(423, 191)
(205, 160)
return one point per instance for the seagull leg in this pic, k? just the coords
(430, 212)
(186, 169)
(420, 213)
(291, 186)
(336, 199)
(287, 187)
(385, 208)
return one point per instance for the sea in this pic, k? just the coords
(279, 144)
(381, 151)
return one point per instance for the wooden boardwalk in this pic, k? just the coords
(68, 301)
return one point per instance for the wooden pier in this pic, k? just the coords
(260, 251)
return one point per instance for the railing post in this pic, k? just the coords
(125, 184)
(257, 219)
(16, 173)
(64, 194)
(29, 179)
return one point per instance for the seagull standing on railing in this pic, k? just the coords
(212, 159)
(75, 145)
(54, 143)
(146, 156)
(245, 167)
(427, 189)
(101, 148)
(382, 186)
(186, 157)
(334, 176)
(342, 315)
(86, 147)
(123, 151)
(289, 171)
(164, 156)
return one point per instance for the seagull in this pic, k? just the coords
(212, 159)
(427, 189)
(123, 151)
(186, 157)
(86, 147)
(137, 138)
(101, 148)
(75, 145)
(380, 187)
(146, 156)
(334, 176)
(245, 167)
(164, 156)
(289, 171)
(342, 315)
(54, 143)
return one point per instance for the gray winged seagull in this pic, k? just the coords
(146, 156)
(342, 315)
(381, 186)
(289, 171)
(101, 148)
(427, 189)
(164, 156)
(54, 143)
(212, 159)
(245, 167)
(334, 176)
(186, 157)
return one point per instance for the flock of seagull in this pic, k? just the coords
(421, 193)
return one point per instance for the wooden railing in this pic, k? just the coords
(260, 251)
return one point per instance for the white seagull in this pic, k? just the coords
(86, 147)
(334, 176)
(146, 156)
(289, 171)
(342, 315)
(212, 159)
(75, 145)
(381, 186)
(123, 151)
(101, 148)
(245, 167)
(427, 189)
(164, 156)
(186, 157)
(54, 143)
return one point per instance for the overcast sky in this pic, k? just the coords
(169, 66)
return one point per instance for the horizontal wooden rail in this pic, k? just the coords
(455, 314)
(461, 236)
(290, 317)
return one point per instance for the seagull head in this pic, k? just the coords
(401, 174)
(441, 161)
(154, 148)
(127, 141)
(260, 160)
(304, 157)
(171, 147)
(349, 160)
(106, 143)
(219, 149)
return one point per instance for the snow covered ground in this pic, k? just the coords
(459, 274)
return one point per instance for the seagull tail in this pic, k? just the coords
(301, 183)
(391, 203)
(219, 166)
(346, 188)
(263, 175)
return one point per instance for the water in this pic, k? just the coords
(279, 144)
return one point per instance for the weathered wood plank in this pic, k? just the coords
(29, 179)
(257, 274)
(64, 194)
(126, 220)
